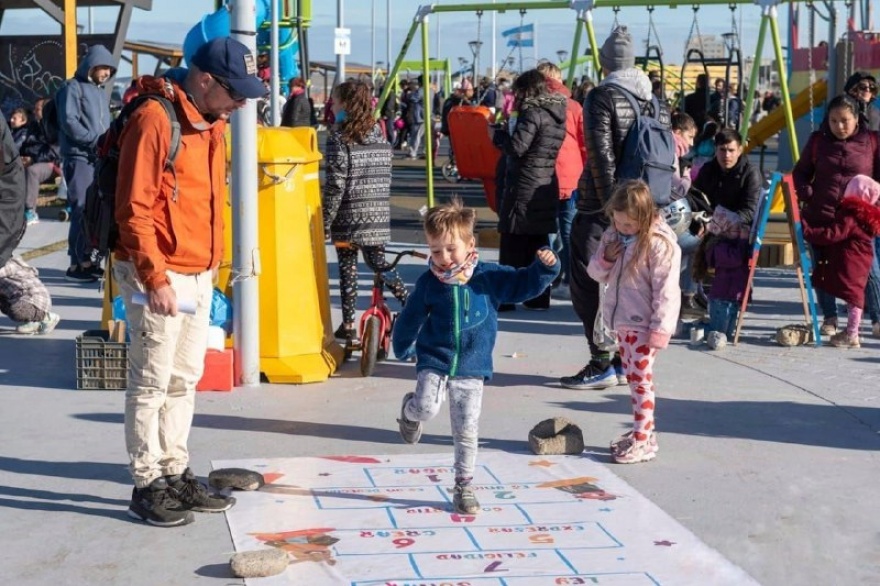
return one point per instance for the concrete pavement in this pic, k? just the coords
(770, 454)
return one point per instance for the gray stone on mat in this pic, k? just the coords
(237, 478)
(556, 436)
(259, 563)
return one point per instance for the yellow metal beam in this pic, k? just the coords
(69, 38)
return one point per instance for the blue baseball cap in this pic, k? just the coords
(233, 62)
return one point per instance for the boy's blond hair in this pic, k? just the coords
(549, 70)
(451, 218)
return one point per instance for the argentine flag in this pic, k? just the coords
(521, 36)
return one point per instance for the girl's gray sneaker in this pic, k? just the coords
(464, 501)
(410, 431)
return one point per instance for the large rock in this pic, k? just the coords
(556, 436)
(237, 478)
(259, 563)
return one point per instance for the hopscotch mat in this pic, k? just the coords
(388, 521)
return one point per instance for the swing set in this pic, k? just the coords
(584, 10)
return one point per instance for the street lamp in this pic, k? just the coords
(475, 50)
(562, 54)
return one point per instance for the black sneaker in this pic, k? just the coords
(410, 431)
(194, 495)
(155, 505)
(78, 274)
(96, 270)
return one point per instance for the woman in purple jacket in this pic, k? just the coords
(841, 149)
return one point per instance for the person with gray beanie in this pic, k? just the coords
(608, 117)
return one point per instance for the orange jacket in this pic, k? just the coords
(156, 232)
(573, 153)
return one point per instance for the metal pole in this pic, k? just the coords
(245, 232)
(373, 41)
(340, 58)
(575, 49)
(832, 51)
(494, 36)
(594, 46)
(770, 14)
(392, 74)
(275, 65)
(429, 125)
(387, 40)
(753, 78)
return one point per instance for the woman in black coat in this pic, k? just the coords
(527, 210)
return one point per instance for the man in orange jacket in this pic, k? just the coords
(170, 244)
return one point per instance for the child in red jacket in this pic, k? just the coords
(846, 252)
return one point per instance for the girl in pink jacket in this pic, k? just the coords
(639, 261)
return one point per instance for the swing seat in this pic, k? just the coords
(475, 155)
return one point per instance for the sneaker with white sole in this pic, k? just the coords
(194, 496)
(829, 327)
(154, 505)
(627, 437)
(844, 340)
(40, 328)
(621, 376)
(591, 377)
(410, 431)
(632, 451)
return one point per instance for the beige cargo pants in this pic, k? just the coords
(166, 358)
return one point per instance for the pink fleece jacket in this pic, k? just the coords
(646, 297)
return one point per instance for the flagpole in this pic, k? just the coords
(535, 44)
(494, 35)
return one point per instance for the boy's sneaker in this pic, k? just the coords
(95, 270)
(591, 378)
(31, 217)
(410, 431)
(464, 501)
(829, 327)
(45, 326)
(154, 504)
(621, 376)
(78, 274)
(844, 340)
(194, 495)
(616, 445)
(631, 451)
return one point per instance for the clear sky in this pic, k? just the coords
(171, 19)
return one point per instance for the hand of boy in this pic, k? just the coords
(613, 251)
(546, 256)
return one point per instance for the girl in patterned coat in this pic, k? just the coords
(357, 188)
(639, 260)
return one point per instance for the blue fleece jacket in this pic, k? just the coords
(84, 107)
(454, 326)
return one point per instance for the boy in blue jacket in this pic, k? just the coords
(449, 323)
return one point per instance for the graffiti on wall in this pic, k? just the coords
(32, 67)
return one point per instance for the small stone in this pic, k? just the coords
(237, 478)
(716, 340)
(556, 436)
(259, 563)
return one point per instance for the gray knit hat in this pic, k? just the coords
(617, 51)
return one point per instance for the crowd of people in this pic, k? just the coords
(637, 238)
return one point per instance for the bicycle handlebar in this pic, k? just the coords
(389, 265)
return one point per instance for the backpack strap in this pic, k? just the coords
(174, 143)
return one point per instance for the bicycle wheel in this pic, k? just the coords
(450, 171)
(370, 346)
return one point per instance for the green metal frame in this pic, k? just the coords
(433, 65)
(584, 10)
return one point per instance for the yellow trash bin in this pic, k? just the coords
(296, 335)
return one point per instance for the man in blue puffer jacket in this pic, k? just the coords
(449, 323)
(83, 108)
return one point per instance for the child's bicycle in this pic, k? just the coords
(375, 325)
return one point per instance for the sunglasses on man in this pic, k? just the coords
(233, 95)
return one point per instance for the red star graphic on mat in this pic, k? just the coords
(665, 543)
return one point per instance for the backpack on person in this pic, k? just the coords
(648, 151)
(99, 216)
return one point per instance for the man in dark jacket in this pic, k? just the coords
(297, 112)
(729, 179)
(23, 297)
(697, 103)
(83, 115)
(608, 117)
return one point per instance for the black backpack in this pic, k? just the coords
(648, 151)
(99, 216)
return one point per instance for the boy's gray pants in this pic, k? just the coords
(465, 402)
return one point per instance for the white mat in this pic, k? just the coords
(388, 521)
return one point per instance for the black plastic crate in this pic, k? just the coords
(100, 363)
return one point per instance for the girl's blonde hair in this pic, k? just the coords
(634, 198)
(451, 218)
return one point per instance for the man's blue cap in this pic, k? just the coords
(228, 59)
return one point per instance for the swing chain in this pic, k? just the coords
(615, 24)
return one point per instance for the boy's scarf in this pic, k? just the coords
(459, 274)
